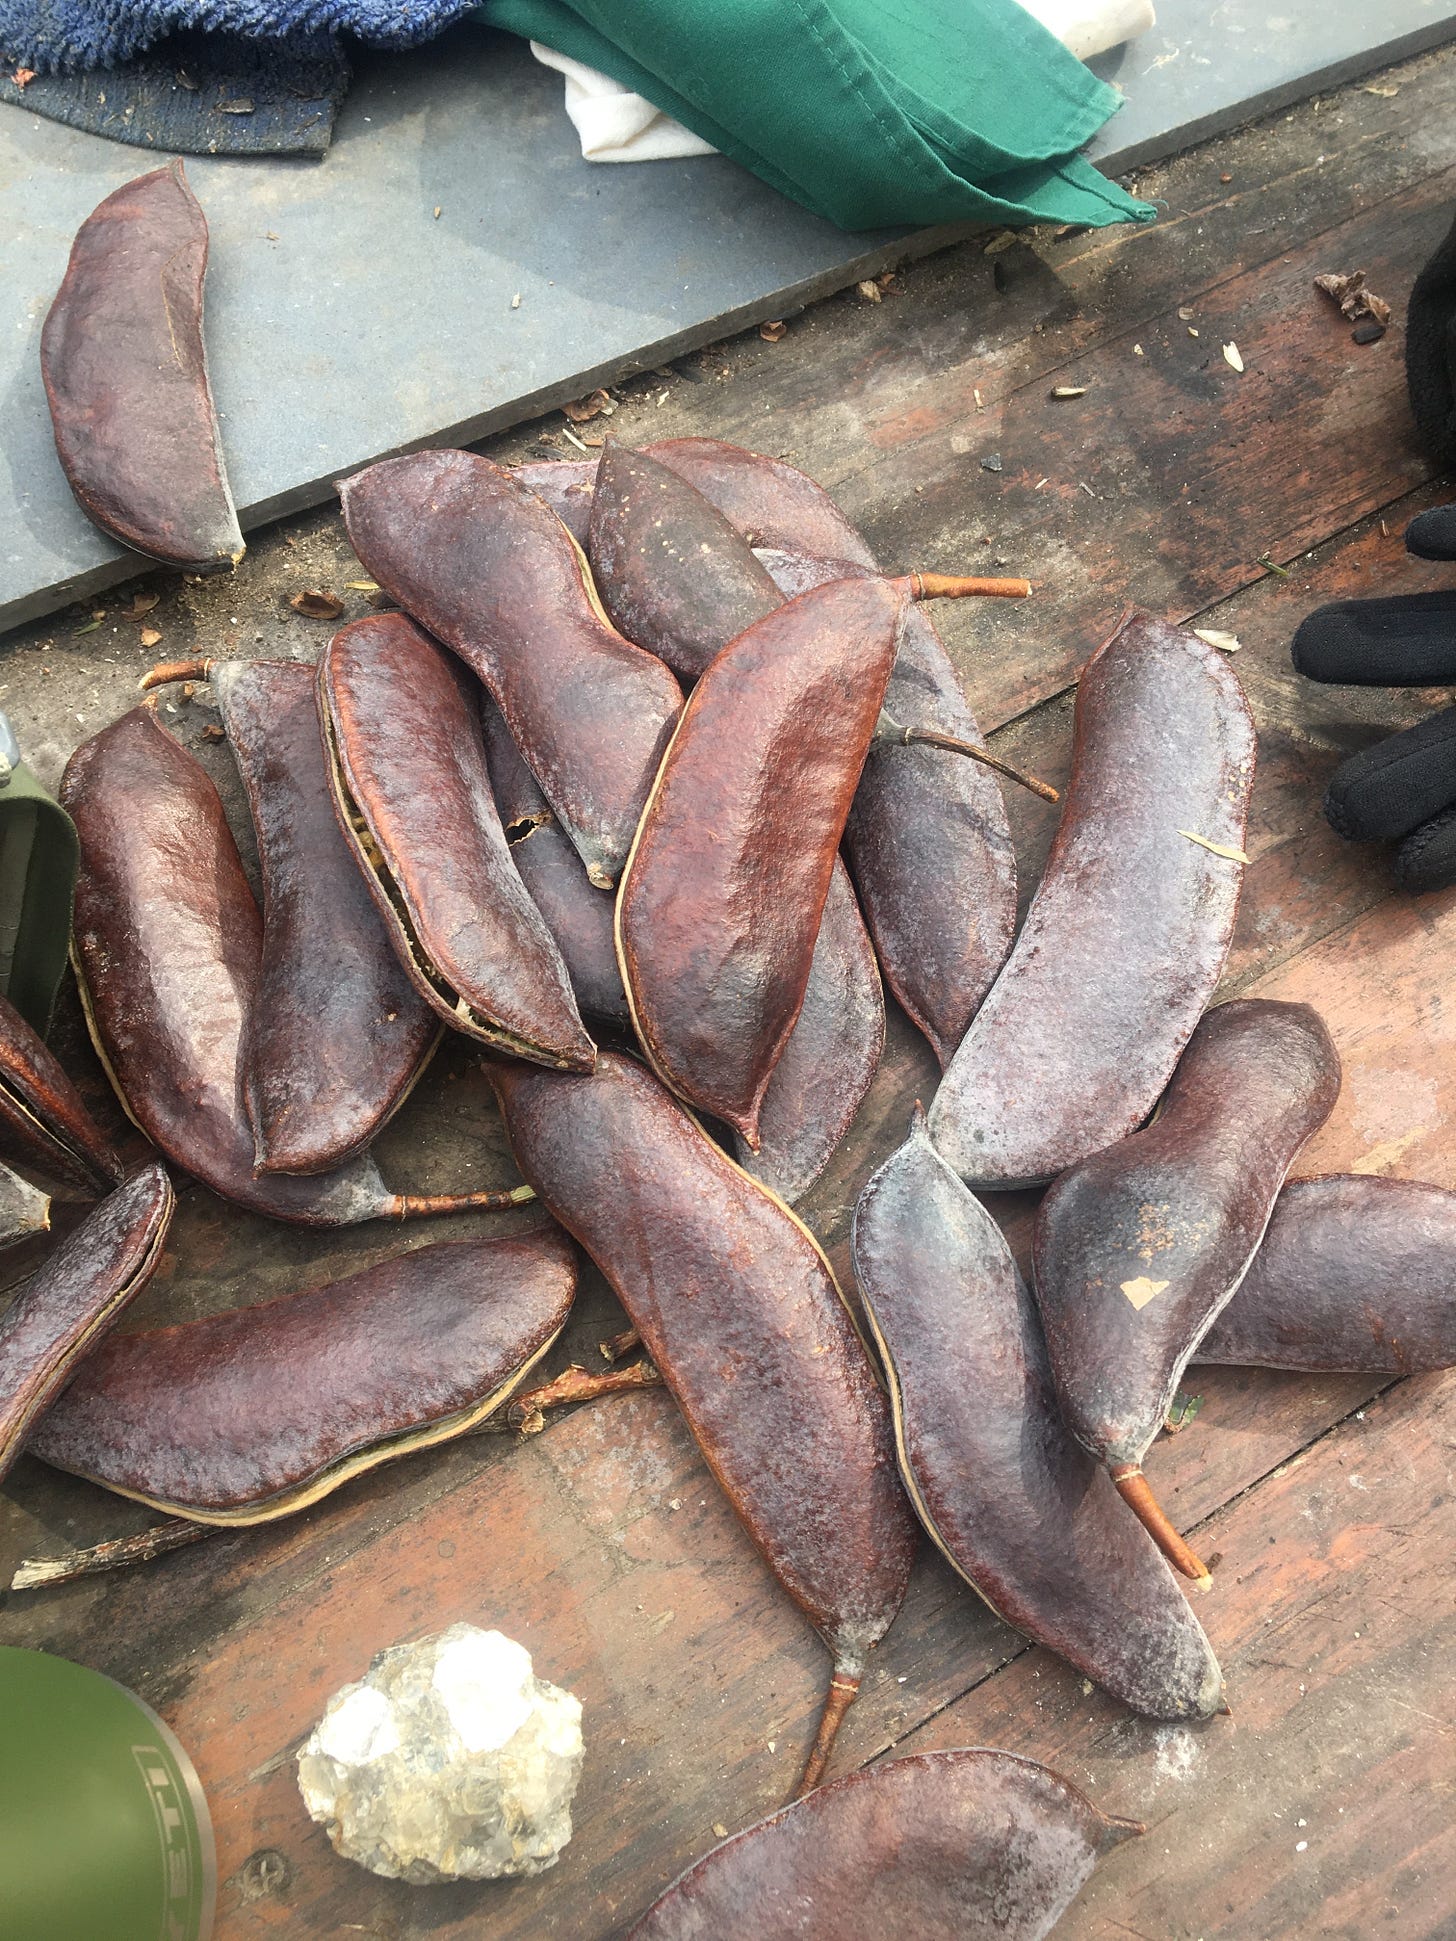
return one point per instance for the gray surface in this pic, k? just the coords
(362, 325)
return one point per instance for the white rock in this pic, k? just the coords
(449, 1760)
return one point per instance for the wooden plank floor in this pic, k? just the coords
(1324, 1805)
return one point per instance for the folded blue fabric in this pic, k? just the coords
(55, 36)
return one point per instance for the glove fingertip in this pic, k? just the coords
(1432, 534)
(1426, 860)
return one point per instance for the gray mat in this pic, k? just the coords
(346, 321)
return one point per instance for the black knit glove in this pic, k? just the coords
(1430, 353)
(1405, 786)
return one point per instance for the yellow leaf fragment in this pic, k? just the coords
(1217, 848)
(1142, 1290)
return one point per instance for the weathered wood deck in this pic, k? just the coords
(1326, 1805)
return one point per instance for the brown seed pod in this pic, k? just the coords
(406, 763)
(1127, 934)
(1016, 1504)
(578, 916)
(168, 953)
(968, 1845)
(830, 1058)
(1356, 1275)
(738, 1308)
(63, 1310)
(491, 571)
(927, 835)
(564, 484)
(126, 377)
(250, 1415)
(771, 503)
(927, 838)
(43, 1122)
(1139, 1247)
(673, 574)
(722, 896)
(337, 1036)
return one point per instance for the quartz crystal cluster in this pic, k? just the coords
(449, 1760)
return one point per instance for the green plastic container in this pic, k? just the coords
(104, 1832)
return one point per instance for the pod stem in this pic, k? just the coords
(961, 586)
(167, 671)
(420, 1206)
(1133, 1487)
(891, 730)
(577, 1384)
(843, 1686)
(617, 1345)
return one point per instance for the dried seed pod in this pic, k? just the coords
(722, 896)
(337, 1036)
(831, 1056)
(1015, 1504)
(578, 916)
(771, 503)
(491, 571)
(673, 574)
(168, 954)
(1139, 1247)
(407, 767)
(79, 1291)
(968, 1845)
(24, 1209)
(564, 484)
(126, 376)
(249, 1415)
(43, 1122)
(1356, 1275)
(738, 1308)
(1127, 934)
(927, 837)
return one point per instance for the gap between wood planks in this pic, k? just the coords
(1026, 1645)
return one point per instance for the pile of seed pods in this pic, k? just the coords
(648, 782)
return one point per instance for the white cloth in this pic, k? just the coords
(1088, 27)
(616, 125)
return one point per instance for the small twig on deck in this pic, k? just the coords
(139, 1549)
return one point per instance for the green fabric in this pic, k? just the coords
(872, 113)
(38, 858)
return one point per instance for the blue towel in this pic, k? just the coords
(55, 36)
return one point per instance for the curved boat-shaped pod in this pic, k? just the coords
(60, 1314)
(738, 1308)
(126, 376)
(1138, 1248)
(969, 1845)
(249, 1415)
(1127, 934)
(1011, 1499)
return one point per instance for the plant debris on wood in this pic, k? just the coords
(583, 410)
(1369, 313)
(314, 605)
